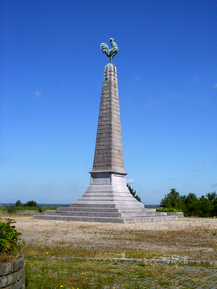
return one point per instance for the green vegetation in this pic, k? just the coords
(205, 206)
(42, 209)
(168, 210)
(45, 269)
(10, 245)
(2, 208)
(18, 203)
(52, 273)
(30, 205)
(13, 208)
(133, 192)
(48, 208)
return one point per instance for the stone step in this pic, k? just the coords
(149, 210)
(80, 218)
(81, 213)
(88, 209)
(89, 204)
(108, 203)
(106, 194)
(119, 206)
(106, 219)
(107, 189)
(107, 199)
(161, 214)
(151, 219)
(140, 213)
(99, 213)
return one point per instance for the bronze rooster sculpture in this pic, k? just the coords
(109, 52)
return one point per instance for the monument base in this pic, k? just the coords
(107, 199)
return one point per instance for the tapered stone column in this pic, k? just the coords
(108, 177)
(107, 198)
(108, 150)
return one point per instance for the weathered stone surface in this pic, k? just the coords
(178, 214)
(108, 155)
(107, 199)
(12, 274)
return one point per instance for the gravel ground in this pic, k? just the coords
(195, 238)
(186, 239)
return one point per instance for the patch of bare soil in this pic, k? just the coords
(195, 238)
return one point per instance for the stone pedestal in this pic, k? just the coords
(107, 199)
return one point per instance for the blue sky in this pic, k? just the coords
(51, 77)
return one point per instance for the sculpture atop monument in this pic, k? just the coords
(107, 198)
(110, 52)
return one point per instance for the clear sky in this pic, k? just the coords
(51, 78)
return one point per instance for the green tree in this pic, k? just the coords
(133, 192)
(205, 207)
(212, 197)
(214, 212)
(31, 204)
(172, 200)
(18, 204)
(191, 203)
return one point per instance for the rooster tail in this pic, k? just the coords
(105, 49)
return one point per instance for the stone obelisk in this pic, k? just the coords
(108, 177)
(108, 156)
(107, 198)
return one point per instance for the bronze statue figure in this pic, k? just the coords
(109, 52)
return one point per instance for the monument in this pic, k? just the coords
(107, 199)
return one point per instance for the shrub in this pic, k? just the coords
(26, 208)
(168, 210)
(9, 238)
(13, 208)
(48, 208)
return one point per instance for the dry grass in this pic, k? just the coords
(195, 238)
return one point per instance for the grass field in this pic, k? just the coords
(46, 272)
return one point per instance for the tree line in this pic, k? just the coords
(30, 205)
(191, 205)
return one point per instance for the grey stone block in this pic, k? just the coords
(12, 274)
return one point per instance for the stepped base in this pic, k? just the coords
(106, 219)
(105, 213)
(106, 200)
